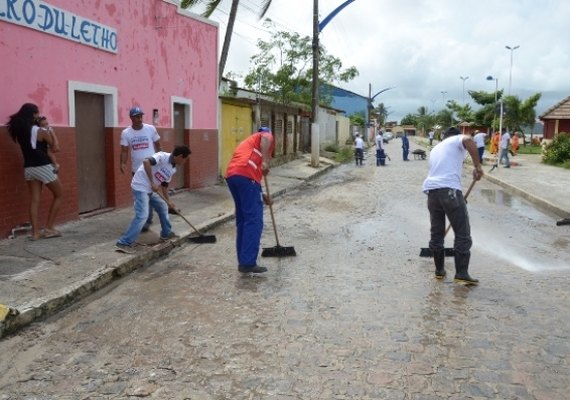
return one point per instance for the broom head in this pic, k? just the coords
(278, 251)
(202, 239)
(426, 252)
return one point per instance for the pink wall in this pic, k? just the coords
(161, 53)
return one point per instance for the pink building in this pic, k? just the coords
(85, 63)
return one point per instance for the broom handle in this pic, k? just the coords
(465, 197)
(180, 215)
(271, 211)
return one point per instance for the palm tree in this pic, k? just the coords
(211, 6)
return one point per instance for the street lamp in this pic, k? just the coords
(443, 93)
(463, 78)
(511, 49)
(491, 78)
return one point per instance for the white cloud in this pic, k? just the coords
(422, 47)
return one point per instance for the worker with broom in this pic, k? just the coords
(445, 198)
(248, 165)
(151, 178)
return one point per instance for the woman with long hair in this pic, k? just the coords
(38, 169)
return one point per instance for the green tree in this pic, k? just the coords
(382, 112)
(519, 114)
(462, 111)
(283, 68)
(358, 119)
(211, 6)
(409, 119)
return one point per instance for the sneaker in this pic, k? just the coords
(146, 227)
(256, 269)
(170, 236)
(125, 248)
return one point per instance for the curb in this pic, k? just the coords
(45, 307)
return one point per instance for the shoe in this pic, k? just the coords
(256, 269)
(170, 236)
(146, 227)
(125, 248)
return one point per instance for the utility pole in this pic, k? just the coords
(315, 137)
(317, 28)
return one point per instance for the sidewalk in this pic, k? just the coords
(40, 278)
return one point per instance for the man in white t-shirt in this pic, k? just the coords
(445, 198)
(505, 140)
(151, 177)
(143, 141)
(430, 135)
(380, 155)
(479, 138)
(358, 149)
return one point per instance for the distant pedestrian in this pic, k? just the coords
(358, 149)
(479, 138)
(405, 146)
(494, 143)
(248, 165)
(142, 140)
(430, 135)
(445, 198)
(150, 178)
(35, 143)
(380, 155)
(504, 155)
(515, 144)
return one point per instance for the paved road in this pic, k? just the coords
(356, 315)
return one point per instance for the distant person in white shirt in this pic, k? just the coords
(380, 155)
(479, 138)
(430, 135)
(358, 149)
(505, 141)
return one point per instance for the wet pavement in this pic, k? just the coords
(40, 278)
(355, 315)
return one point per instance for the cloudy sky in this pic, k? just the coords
(422, 48)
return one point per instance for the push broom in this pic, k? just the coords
(276, 251)
(201, 238)
(448, 252)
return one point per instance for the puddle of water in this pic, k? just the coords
(500, 197)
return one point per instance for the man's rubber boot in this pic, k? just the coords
(439, 260)
(461, 267)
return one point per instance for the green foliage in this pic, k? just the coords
(409, 119)
(530, 149)
(558, 152)
(358, 119)
(344, 154)
(283, 68)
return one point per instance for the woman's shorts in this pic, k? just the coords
(43, 174)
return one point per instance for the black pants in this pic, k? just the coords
(449, 202)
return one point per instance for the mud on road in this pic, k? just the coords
(355, 315)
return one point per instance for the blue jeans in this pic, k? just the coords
(505, 154)
(481, 151)
(450, 202)
(248, 200)
(143, 202)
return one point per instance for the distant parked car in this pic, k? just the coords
(387, 137)
(537, 138)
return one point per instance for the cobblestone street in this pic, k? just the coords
(356, 315)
